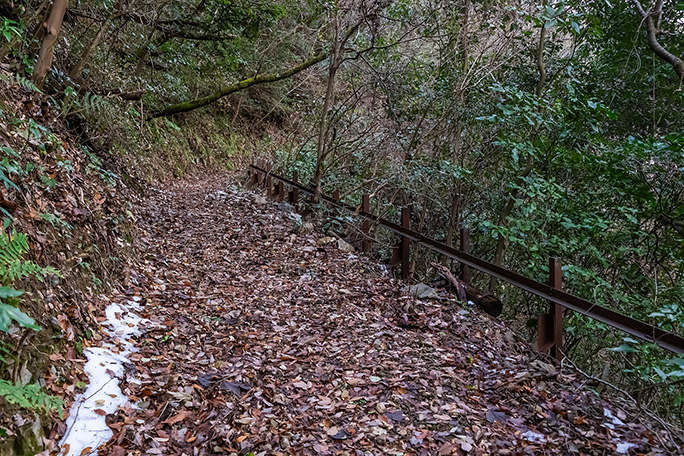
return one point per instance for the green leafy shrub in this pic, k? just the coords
(9, 28)
(12, 268)
(30, 397)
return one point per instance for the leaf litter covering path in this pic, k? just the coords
(268, 344)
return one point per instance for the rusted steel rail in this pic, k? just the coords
(550, 325)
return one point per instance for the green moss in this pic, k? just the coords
(27, 442)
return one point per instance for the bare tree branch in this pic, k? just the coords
(190, 105)
(650, 18)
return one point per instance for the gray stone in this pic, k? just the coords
(286, 207)
(422, 291)
(25, 375)
(259, 200)
(344, 246)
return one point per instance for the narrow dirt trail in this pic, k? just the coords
(265, 343)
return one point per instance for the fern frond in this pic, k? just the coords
(12, 249)
(18, 270)
(30, 397)
(26, 84)
(19, 80)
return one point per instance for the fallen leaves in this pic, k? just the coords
(268, 340)
(495, 415)
(177, 418)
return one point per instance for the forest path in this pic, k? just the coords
(268, 344)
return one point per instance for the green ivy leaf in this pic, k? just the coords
(8, 292)
(9, 313)
(624, 348)
(575, 27)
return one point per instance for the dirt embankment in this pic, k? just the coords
(76, 213)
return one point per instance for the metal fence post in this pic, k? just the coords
(556, 311)
(269, 179)
(365, 227)
(260, 175)
(295, 191)
(464, 245)
(405, 243)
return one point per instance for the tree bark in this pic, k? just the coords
(142, 53)
(337, 51)
(51, 32)
(321, 146)
(652, 30)
(190, 105)
(76, 70)
(463, 54)
(508, 208)
(322, 149)
(540, 61)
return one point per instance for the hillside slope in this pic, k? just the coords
(73, 210)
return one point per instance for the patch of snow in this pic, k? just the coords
(623, 447)
(86, 426)
(615, 421)
(534, 437)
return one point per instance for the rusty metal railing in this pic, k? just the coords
(550, 326)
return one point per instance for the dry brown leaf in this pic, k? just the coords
(180, 416)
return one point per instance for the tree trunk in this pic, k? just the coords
(76, 70)
(421, 225)
(144, 49)
(51, 32)
(463, 54)
(190, 105)
(652, 36)
(336, 58)
(322, 145)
